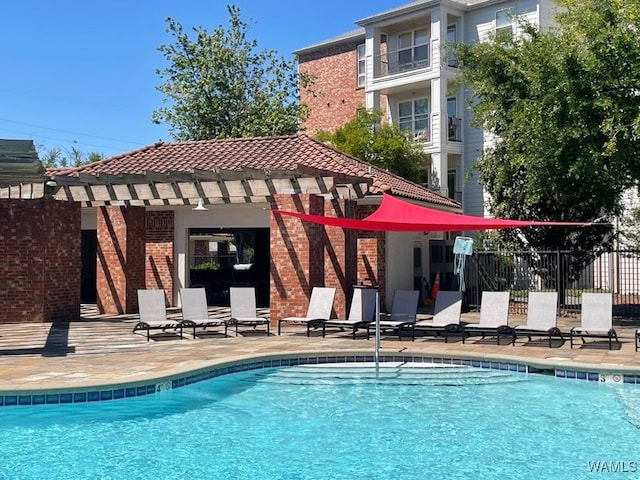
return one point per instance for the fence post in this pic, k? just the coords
(560, 284)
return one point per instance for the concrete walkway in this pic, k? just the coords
(100, 350)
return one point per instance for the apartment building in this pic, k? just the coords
(397, 60)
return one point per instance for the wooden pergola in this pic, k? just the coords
(177, 188)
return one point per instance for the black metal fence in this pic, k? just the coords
(568, 273)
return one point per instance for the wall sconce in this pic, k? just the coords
(50, 188)
(200, 207)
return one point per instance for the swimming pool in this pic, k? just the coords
(336, 422)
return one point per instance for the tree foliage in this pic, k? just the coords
(564, 107)
(217, 85)
(381, 144)
(630, 228)
(56, 157)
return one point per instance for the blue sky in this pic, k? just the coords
(82, 73)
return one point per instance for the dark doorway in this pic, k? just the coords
(442, 264)
(88, 273)
(222, 258)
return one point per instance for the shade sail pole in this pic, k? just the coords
(376, 353)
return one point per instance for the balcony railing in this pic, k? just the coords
(454, 129)
(423, 135)
(455, 195)
(400, 61)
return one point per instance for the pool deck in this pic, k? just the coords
(101, 350)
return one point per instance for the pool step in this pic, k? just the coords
(629, 398)
(405, 374)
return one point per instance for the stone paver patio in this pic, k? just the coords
(101, 350)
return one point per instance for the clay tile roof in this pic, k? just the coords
(270, 153)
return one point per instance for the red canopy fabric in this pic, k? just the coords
(401, 216)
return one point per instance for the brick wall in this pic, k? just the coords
(297, 260)
(159, 252)
(340, 256)
(121, 258)
(40, 260)
(304, 255)
(334, 96)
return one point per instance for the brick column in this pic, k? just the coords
(39, 260)
(159, 252)
(340, 255)
(120, 270)
(297, 258)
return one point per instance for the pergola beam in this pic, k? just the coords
(186, 188)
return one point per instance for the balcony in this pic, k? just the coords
(455, 195)
(454, 129)
(422, 136)
(400, 61)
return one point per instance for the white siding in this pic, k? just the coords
(478, 23)
(399, 266)
(473, 200)
(547, 13)
(481, 21)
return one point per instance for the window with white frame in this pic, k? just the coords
(362, 65)
(504, 23)
(413, 116)
(413, 49)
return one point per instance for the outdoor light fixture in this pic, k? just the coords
(200, 207)
(50, 187)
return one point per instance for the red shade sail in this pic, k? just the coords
(401, 216)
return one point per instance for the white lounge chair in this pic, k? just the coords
(446, 316)
(404, 308)
(541, 318)
(361, 313)
(319, 309)
(195, 312)
(494, 317)
(596, 318)
(243, 308)
(153, 313)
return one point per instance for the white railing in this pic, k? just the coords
(400, 61)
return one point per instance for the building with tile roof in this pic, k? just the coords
(179, 214)
(298, 154)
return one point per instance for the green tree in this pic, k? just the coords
(564, 107)
(53, 158)
(218, 85)
(56, 157)
(630, 227)
(381, 144)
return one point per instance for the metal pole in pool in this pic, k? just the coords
(376, 354)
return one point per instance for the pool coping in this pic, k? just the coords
(558, 367)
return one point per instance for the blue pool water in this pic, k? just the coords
(323, 422)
